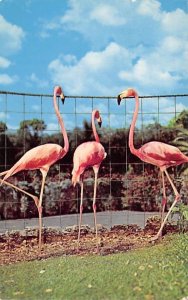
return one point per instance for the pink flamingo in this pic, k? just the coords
(88, 154)
(42, 157)
(156, 153)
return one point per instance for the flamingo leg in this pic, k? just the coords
(35, 198)
(177, 197)
(164, 200)
(3, 173)
(44, 174)
(94, 203)
(81, 210)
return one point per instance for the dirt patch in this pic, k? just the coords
(22, 245)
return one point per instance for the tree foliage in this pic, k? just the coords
(3, 127)
(181, 139)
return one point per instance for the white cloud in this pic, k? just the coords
(12, 127)
(41, 83)
(3, 116)
(150, 108)
(104, 13)
(176, 23)
(90, 75)
(4, 63)
(173, 56)
(104, 72)
(52, 127)
(149, 8)
(86, 108)
(162, 69)
(147, 49)
(114, 121)
(11, 37)
(69, 124)
(146, 75)
(5, 79)
(36, 108)
(170, 108)
(48, 26)
(70, 59)
(163, 104)
(172, 45)
(107, 15)
(122, 22)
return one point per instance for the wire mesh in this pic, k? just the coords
(129, 191)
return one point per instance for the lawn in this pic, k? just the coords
(153, 273)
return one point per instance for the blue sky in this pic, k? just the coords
(94, 47)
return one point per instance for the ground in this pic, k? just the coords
(23, 246)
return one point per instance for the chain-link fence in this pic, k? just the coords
(128, 189)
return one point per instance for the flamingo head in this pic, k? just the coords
(100, 122)
(59, 92)
(98, 117)
(126, 94)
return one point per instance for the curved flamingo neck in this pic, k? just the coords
(131, 132)
(61, 123)
(94, 127)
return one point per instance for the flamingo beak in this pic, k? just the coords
(118, 99)
(100, 123)
(62, 98)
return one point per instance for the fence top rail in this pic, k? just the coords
(86, 97)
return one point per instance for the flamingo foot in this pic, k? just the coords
(178, 197)
(78, 247)
(156, 237)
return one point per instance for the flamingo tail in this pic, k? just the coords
(10, 172)
(5, 177)
(3, 173)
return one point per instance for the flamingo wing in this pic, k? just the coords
(161, 154)
(86, 155)
(36, 158)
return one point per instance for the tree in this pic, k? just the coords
(180, 123)
(29, 133)
(181, 141)
(7, 150)
(3, 127)
(34, 126)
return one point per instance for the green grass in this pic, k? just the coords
(157, 272)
